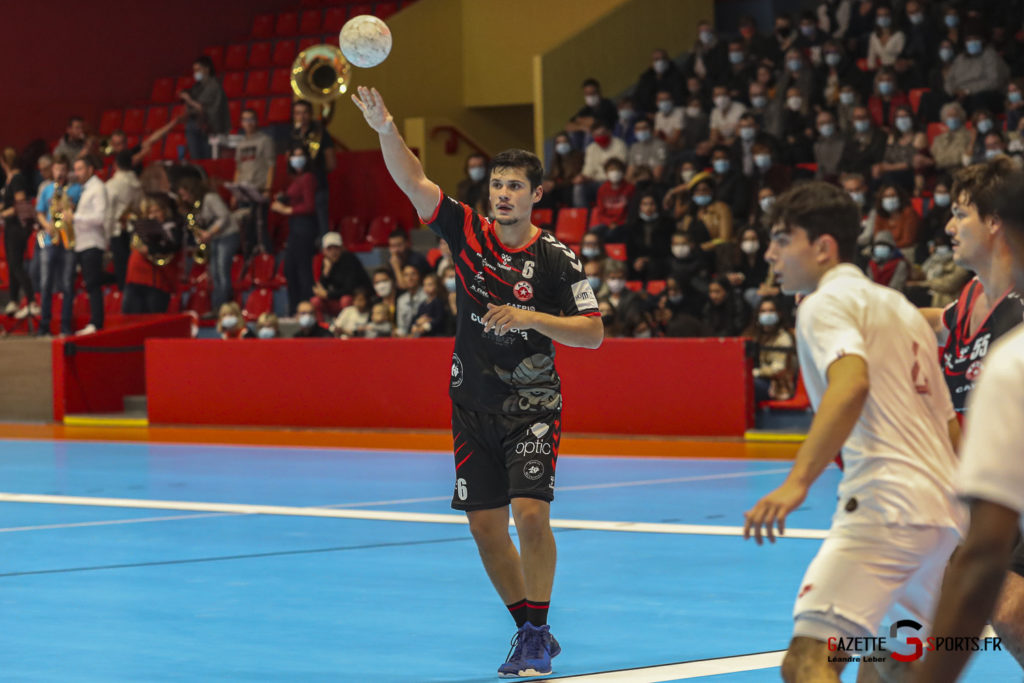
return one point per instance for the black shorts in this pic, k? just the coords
(501, 457)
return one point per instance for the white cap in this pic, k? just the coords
(331, 239)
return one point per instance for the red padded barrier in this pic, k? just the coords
(655, 375)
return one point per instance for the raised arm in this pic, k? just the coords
(402, 164)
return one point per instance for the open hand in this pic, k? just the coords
(371, 104)
(772, 509)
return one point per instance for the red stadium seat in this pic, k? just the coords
(257, 83)
(615, 251)
(915, 97)
(381, 228)
(634, 285)
(385, 9)
(261, 271)
(175, 141)
(199, 301)
(543, 218)
(163, 91)
(5, 276)
(799, 403)
(280, 110)
(306, 43)
(259, 55)
(240, 280)
(216, 55)
(284, 53)
(236, 57)
(263, 26)
(156, 117)
(571, 225)
(310, 23)
(258, 302)
(353, 232)
(287, 24)
(655, 287)
(260, 107)
(934, 130)
(280, 82)
(112, 302)
(235, 112)
(80, 308)
(110, 121)
(234, 84)
(361, 8)
(182, 84)
(134, 120)
(334, 19)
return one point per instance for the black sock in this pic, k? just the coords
(537, 612)
(518, 612)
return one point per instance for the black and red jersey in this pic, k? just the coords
(964, 352)
(514, 372)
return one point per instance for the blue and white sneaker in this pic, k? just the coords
(530, 654)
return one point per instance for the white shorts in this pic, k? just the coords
(862, 571)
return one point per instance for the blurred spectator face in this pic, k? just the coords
(765, 75)
(886, 86)
(974, 45)
(648, 208)
(736, 53)
(783, 25)
(748, 28)
(681, 247)
(562, 145)
(602, 136)
(794, 100)
(590, 246)
(398, 245)
(832, 55)
(411, 277)
(591, 95)
(883, 16)
(940, 195)
(720, 161)
(306, 315)
(914, 14)
(767, 314)
(762, 157)
(704, 33)
(687, 171)
(76, 129)
(431, 286)
(626, 112)
(750, 243)
(379, 314)
(665, 103)
(807, 28)
(83, 171)
(449, 279)
(1013, 94)
(847, 95)
(946, 51)
(60, 172)
(248, 122)
(861, 120)
(890, 200)
(766, 199)
(332, 252)
(615, 171)
(857, 189)
(983, 122)
(117, 143)
(45, 166)
(155, 212)
(383, 285)
(994, 146)
(693, 108)
(267, 326)
(476, 168)
(756, 94)
(642, 130)
(673, 292)
(826, 124)
(694, 85)
(659, 61)
(716, 293)
(904, 120)
(302, 115)
(721, 97)
(747, 128)
(592, 269)
(702, 194)
(952, 19)
(615, 277)
(794, 60)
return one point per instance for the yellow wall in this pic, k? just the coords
(615, 49)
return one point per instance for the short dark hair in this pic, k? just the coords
(591, 81)
(75, 118)
(398, 232)
(383, 270)
(819, 209)
(983, 184)
(520, 158)
(90, 160)
(205, 62)
(303, 103)
(250, 110)
(60, 159)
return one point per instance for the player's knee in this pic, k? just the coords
(488, 532)
(804, 657)
(532, 519)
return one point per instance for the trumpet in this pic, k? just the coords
(60, 214)
(192, 220)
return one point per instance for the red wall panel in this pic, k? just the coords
(669, 387)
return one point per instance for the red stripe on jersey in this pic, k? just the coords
(496, 276)
(497, 256)
(467, 229)
(591, 314)
(465, 286)
(463, 461)
(522, 248)
(437, 209)
(466, 259)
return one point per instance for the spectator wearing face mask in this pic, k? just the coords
(887, 98)
(1014, 108)
(797, 129)
(472, 189)
(866, 146)
(828, 148)
(725, 313)
(757, 101)
(354, 318)
(978, 75)
(593, 269)
(774, 369)
(886, 42)
(741, 69)
(669, 119)
(749, 135)
(725, 117)
(610, 319)
(906, 157)
(596, 109)
(644, 183)
(341, 273)
(731, 186)
(230, 324)
(450, 281)
(687, 264)
(709, 58)
(797, 73)
(566, 164)
(921, 44)
(810, 38)
(267, 326)
(385, 291)
(747, 269)
(896, 217)
(836, 71)
(938, 281)
(300, 206)
(933, 225)
(887, 266)
(949, 147)
(596, 156)
(760, 217)
(756, 44)
(592, 247)
(849, 99)
(612, 198)
(626, 122)
(647, 238)
(706, 216)
(661, 75)
(309, 326)
(939, 64)
(696, 128)
(672, 316)
(768, 172)
(408, 301)
(627, 303)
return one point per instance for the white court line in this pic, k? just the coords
(685, 670)
(383, 515)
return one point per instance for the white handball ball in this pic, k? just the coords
(365, 41)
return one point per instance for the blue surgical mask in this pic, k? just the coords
(666, 106)
(882, 252)
(916, 18)
(884, 21)
(706, 37)
(476, 174)
(625, 114)
(827, 129)
(891, 204)
(643, 135)
(648, 217)
(862, 125)
(984, 125)
(766, 203)
(701, 199)
(847, 98)
(197, 76)
(229, 322)
(267, 333)
(858, 198)
(759, 102)
(833, 58)
(747, 133)
(943, 250)
(904, 123)
(941, 199)
(721, 166)
(794, 64)
(952, 20)
(1013, 96)
(449, 284)
(563, 148)
(992, 153)
(973, 47)
(595, 281)
(885, 87)
(807, 30)
(768, 318)
(946, 54)
(590, 252)
(297, 163)
(306, 320)
(736, 57)
(763, 161)
(952, 123)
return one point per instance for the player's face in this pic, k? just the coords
(511, 197)
(969, 235)
(793, 257)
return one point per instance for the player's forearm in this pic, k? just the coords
(402, 164)
(836, 417)
(581, 331)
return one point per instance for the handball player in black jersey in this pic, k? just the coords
(988, 308)
(519, 289)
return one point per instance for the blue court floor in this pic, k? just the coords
(143, 562)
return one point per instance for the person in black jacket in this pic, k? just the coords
(647, 236)
(726, 313)
(340, 275)
(309, 327)
(663, 74)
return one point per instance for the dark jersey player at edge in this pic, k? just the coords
(519, 290)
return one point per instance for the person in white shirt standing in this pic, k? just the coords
(871, 372)
(90, 224)
(124, 194)
(991, 474)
